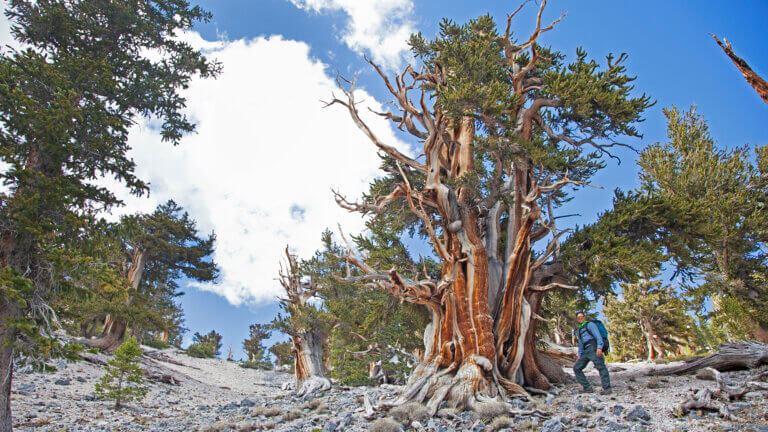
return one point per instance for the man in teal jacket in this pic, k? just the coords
(590, 350)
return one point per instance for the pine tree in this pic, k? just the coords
(305, 323)
(282, 353)
(649, 319)
(370, 328)
(124, 377)
(205, 346)
(508, 128)
(66, 106)
(715, 222)
(254, 345)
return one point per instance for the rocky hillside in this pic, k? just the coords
(216, 395)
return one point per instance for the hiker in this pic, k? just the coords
(590, 350)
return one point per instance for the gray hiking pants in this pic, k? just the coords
(590, 355)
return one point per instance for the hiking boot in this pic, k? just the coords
(587, 390)
(606, 391)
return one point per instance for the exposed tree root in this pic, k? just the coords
(470, 387)
(717, 399)
(313, 384)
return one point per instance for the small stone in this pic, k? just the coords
(231, 406)
(478, 426)
(705, 374)
(247, 402)
(552, 425)
(62, 382)
(638, 413)
(612, 426)
(416, 424)
(583, 408)
(330, 427)
(81, 379)
(617, 410)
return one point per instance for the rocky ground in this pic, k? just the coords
(216, 395)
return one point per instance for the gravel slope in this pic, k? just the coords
(216, 395)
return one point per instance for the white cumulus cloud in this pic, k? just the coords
(260, 167)
(378, 27)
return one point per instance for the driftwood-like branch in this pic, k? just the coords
(350, 104)
(377, 207)
(741, 355)
(757, 82)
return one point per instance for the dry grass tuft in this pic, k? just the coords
(412, 411)
(292, 414)
(488, 411)
(385, 424)
(265, 411)
(311, 404)
(528, 425)
(500, 422)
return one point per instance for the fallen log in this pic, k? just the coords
(730, 356)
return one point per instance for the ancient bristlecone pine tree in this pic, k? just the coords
(506, 129)
(302, 325)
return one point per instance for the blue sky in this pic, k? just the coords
(259, 170)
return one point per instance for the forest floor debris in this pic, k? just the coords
(216, 395)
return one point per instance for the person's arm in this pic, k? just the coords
(592, 327)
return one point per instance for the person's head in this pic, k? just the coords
(580, 317)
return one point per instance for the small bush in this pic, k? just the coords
(292, 414)
(255, 364)
(385, 424)
(156, 343)
(124, 378)
(71, 351)
(93, 350)
(201, 351)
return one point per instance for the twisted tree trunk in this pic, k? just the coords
(307, 341)
(114, 328)
(653, 343)
(9, 310)
(308, 370)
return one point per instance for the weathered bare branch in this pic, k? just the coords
(350, 104)
(757, 82)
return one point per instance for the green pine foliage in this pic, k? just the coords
(67, 102)
(124, 377)
(254, 346)
(173, 249)
(725, 190)
(699, 210)
(363, 316)
(649, 309)
(283, 353)
(205, 346)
